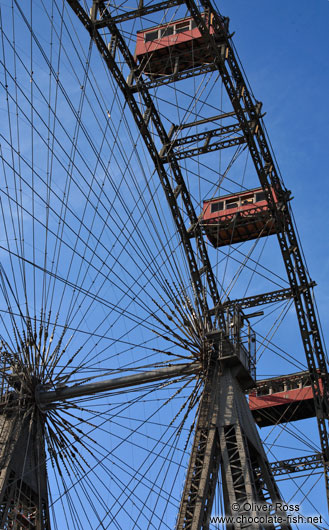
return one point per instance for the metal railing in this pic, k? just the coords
(243, 339)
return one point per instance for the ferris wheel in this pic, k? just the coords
(162, 361)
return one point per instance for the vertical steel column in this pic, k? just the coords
(23, 476)
(226, 435)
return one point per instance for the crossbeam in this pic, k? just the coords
(264, 298)
(207, 148)
(297, 465)
(205, 135)
(171, 78)
(142, 12)
(206, 120)
(71, 392)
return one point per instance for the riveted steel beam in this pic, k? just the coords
(142, 12)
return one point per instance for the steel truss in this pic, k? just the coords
(23, 475)
(206, 148)
(225, 131)
(297, 465)
(141, 12)
(225, 434)
(264, 298)
(135, 76)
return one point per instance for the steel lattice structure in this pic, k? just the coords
(225, 442)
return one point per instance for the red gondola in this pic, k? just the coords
(283, 399)
(238, 217)
(173, 47)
